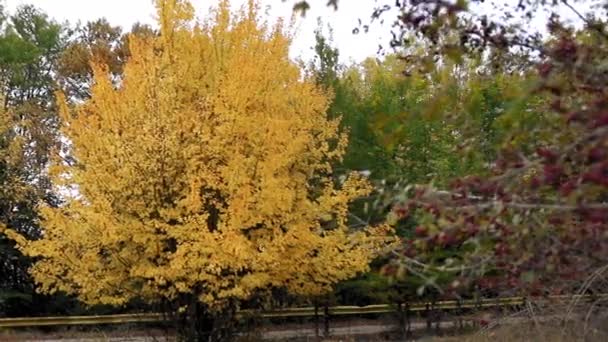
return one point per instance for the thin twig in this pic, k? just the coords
(582, 17)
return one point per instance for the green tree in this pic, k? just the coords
(30, 44)
(417, 128)
(532, 222)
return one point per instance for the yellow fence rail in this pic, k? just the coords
(284, 313)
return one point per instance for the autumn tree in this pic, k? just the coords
(203, 178)
(14, 191)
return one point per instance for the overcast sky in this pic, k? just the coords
(351, 47)
(127, 12)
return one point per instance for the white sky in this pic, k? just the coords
(127, 12)
(352, 47)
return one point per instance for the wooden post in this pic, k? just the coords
(459, 314)
(317, 320)
(402, 327)
(407, 319)
(477, 306)
(437, 316)
(428, 318)
(326, 314)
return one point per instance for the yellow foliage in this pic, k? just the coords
(206, 171)
(13, 185)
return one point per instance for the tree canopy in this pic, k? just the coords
(202, 174)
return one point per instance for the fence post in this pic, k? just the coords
(437, 317)
(326, 315)
(428, 317)
(402, 327)
(459, 312)
(316, 320)
(477, 306)
(499, 309)
(407, 319)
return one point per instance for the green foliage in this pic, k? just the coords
(29, 46)
(422, 128)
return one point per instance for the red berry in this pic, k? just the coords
(421, 231)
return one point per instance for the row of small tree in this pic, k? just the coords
(488, 144)
(513, 196)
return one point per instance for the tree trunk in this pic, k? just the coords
(199, 324)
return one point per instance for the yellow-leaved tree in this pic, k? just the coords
(203, 173)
